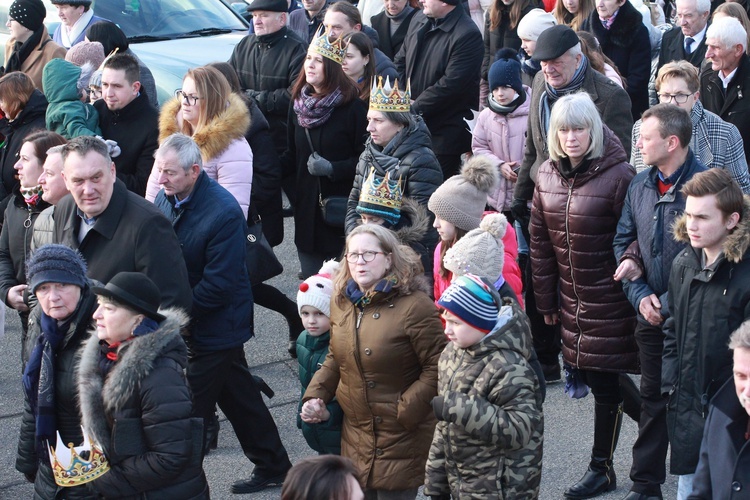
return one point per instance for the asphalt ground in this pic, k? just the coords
(568, 423)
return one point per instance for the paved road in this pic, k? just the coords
(568, 423)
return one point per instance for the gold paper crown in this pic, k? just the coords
(335, 51)
(70, 468)
(387, 99)
(381, 196)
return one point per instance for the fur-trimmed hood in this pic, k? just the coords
(100, 398)
(216, 136)
(414, 222)
(736, 243)
(623, 27)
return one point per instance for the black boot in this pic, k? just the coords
(600, 477)
(212, 435)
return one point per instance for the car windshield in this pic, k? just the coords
(143, 19)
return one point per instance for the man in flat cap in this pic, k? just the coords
(565, 70)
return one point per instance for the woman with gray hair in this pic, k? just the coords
(579, 194)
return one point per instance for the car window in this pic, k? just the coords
(167, 18)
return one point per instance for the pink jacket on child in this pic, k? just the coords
(502, 138)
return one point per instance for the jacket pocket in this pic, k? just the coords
(128, 439)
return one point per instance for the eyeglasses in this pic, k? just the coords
(96, 93)
(188, 99)
(678, 98)
(369, 256)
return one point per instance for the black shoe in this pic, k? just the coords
(551, 372)
(257, 482)
(212, 435)
(291, 347)
(300, 276)
(634, 495)
(593, 483)
(287, 211)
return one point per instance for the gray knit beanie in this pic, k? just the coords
(461, 199)
(55, 264)
(481, 251)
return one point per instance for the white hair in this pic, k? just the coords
(701, 6)
(729, 32)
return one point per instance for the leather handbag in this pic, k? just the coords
(332, 208)
(262, 263)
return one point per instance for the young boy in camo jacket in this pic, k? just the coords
(488, 440)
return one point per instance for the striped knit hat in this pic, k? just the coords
(471, 300)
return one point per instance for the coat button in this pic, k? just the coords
(736, 486)
(368, 351)
(370, 384)
(655, 217)
(378, 420)
(378, 451)
(376, 315)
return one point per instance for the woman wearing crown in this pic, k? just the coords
(399, 147)
(325, 138)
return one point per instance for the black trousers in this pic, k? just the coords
(223, 377)
(450, 164)
(650, 449)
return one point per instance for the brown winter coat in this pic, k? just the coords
(382, 368)
(39, 57)
(573, 224)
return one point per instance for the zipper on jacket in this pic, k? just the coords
(572, 274)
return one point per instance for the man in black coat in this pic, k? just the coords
(724, 467)
(268, 63)
(725, 86)
(390, 42)
(116, 230)
(126, 117)
(692, 21)
(441, 57)
(211, 230)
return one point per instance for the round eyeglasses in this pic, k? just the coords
(369, 256)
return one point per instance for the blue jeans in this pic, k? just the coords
(684, 486)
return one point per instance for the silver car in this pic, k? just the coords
(170, 36)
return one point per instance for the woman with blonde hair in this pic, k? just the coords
(386, 338)
(578, 199)
(573, 12)
(217, 119)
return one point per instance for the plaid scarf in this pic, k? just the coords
(315, 111)
(32, 195)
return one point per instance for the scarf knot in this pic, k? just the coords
(313, 111)
(32, 195)
(360, 298)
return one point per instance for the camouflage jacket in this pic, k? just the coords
(488, 441)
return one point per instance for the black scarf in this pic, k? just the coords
(22, 50)
(504, 110)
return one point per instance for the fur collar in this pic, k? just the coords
(217, 135)
(416, 222)
(99, 398)
(621, 31)
(735, 245)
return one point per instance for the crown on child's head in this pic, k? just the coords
(76, 465)
(381, 197)
(390, 99)
(333, 50)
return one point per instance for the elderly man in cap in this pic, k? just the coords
(76, 16)
(29, 47)
(210, 226)
(724, 467)
(268, 62)
(565, 70)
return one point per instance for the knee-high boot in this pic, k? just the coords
(600, 476)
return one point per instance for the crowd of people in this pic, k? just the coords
(589, 222)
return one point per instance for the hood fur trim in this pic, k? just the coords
(735, 245)
(419, 222)
(98, 398)
(217, 135)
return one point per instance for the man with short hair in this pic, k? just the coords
(565, 69)
(268, 63)
(76, 16)
(342, 18)
(685, 41)
(53, 190)
(645, 250)
(211, 229)
(716, 143)
(127, 117)
(726, 82)
(709, 297)
(441, 58)
(306, 21)
(723, 468)
(116, 230)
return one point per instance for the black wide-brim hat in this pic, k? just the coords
(134, 290)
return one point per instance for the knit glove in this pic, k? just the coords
(438, 402)
(114, 149)
(521, 212)
(319, 166)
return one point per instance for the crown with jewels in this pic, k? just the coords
(390, 99)
(76, 465)
(381, 197)
(335, 51)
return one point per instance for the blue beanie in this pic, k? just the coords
(55, 264)
(471, 300)
(506, 71)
